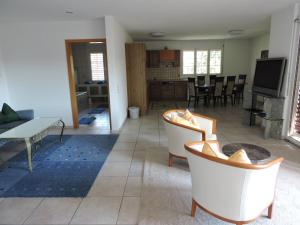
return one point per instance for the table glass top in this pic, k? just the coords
(30, 128)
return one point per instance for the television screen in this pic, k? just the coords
(268, 75)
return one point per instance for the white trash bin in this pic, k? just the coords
(134, 112)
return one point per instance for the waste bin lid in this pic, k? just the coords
(133, 108)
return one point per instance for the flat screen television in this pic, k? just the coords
(268, 76)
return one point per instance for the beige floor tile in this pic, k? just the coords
(120, 156)
(108, 187)
(54, 211)
(124, 146)
(136, 169)
(127, 138)
(115, 169)
(139, 156)
(102, 210)
(129, 210)
(133, 187)
(17, 210)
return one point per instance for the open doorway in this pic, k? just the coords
(88, 79)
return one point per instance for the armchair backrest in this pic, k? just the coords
(179, 134)
(236, 191)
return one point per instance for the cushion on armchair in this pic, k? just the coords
(9, 114)
(240, 156)
(189, 117)
(206, 149)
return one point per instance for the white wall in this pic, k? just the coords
(3, 85)
(284, 43)
(257, 45)
(34, 59)
(236, 52)
(116, 37)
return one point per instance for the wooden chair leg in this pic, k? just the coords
(170, 160)
(270, 211)
(194, 207)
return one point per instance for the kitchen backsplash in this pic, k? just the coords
(163, 73)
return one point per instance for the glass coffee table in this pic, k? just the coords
(32, 132)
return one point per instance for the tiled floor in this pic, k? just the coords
(115, 195)
(102, 120)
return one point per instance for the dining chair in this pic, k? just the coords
(239, 92)
(192, 91)
(201, 80)
(212, 80)
(218, 89)
(202, 92)
(229, 90)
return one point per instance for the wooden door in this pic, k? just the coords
(136, 75)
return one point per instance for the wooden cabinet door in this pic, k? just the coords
(167, 91)
(167, 55)
(180, 91)
(155, 91)
(153, 60)
(177, 58)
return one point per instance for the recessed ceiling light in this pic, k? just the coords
(69, 12)
(236, 32)
(96, 42)
(157, 34)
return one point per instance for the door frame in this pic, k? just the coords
(70, 67)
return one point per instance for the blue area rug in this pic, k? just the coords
(97, 110)
(87, 120)
(65, 169)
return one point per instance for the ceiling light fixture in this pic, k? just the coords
(69, 12)
(236, 32)
(96, 42)
(157, 34)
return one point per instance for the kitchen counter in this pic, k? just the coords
(167, 90)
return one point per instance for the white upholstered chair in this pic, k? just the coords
(234, 192)
(179, 134)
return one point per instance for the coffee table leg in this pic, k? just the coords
(62, 130)
(28, 145)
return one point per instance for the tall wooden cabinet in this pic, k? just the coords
(136, 76)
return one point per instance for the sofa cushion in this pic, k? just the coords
(2, 118)
(9, 113)
(7, 126)
(187, 115)
(210, 151)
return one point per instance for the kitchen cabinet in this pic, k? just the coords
(156, 57)
(177, 58)
(168, 90)
(153, 59)
(154, 91)
(167, 56)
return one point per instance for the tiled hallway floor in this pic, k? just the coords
(115, 195)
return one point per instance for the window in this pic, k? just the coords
(197, 62)
(201, 62)
(188, 62)
(215, 58)
(97, 66)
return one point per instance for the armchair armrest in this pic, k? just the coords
(26, 114)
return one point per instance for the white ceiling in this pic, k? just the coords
(179, 19)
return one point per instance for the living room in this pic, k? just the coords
(192, 156)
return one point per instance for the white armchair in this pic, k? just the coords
(179, 134)
(233, 192)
